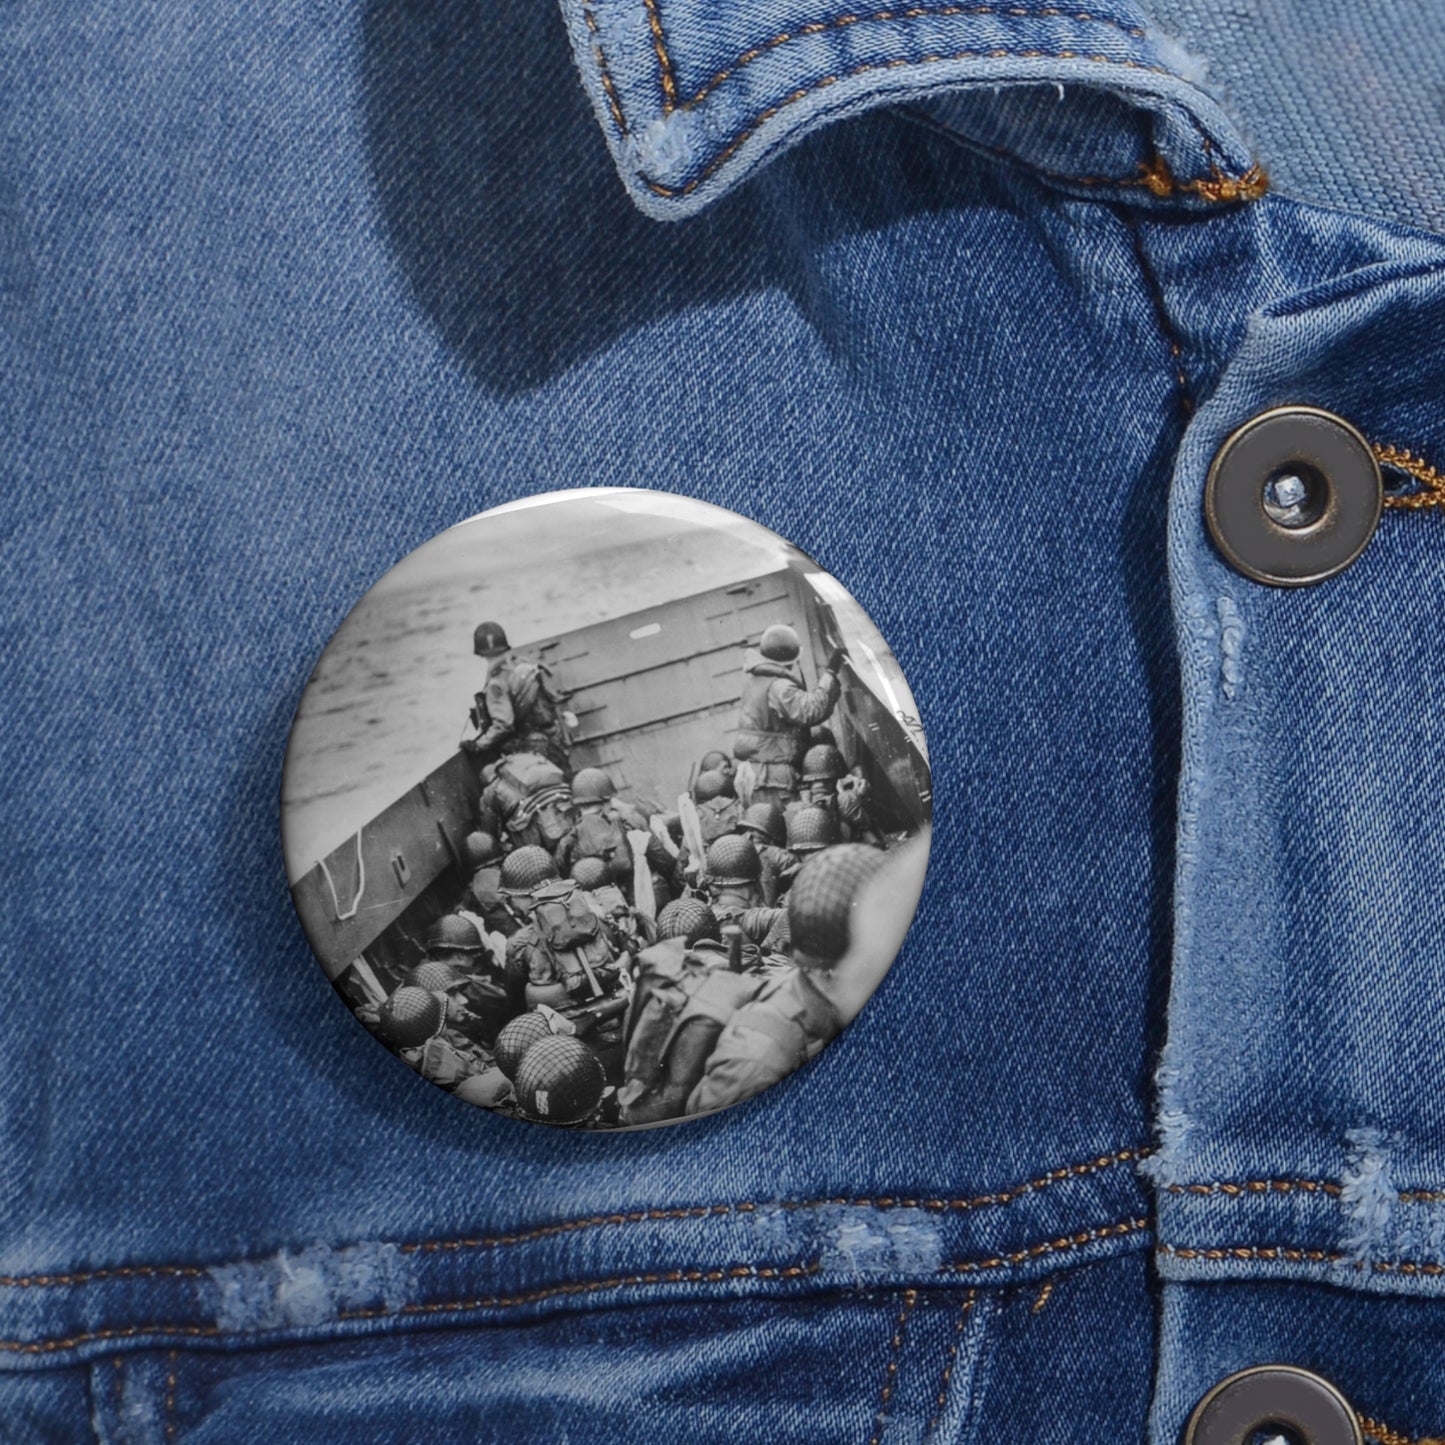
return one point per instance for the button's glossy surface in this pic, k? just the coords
(678, 842)
(1283, 1399)
(1293, 496)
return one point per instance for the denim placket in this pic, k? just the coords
(1300, 1109)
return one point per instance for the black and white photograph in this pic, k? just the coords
(606, 809)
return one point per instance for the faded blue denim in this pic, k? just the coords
(286, 292)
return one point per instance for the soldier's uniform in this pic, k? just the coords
(567, 951)
(526, 801)
(413, 1022)
(777, 714)
(792, 1018)
(828, 783)
(603, 823)
(517, 711)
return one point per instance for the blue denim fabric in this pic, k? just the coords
(283, 295)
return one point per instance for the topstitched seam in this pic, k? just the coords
(1376, 1430)
(890, 1375)
(950, 1362)
(998, 1198)
(1432, 494)
(1240, 1188)
(582, 1287)
(1213, 1254)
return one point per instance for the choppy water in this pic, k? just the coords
(388, 700)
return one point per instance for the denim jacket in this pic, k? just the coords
(963, 300)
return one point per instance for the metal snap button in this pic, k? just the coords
(1281, 1399)
(1293, 496)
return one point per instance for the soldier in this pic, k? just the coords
(688, 985)
(460, 962)
(718, 761)
(811, 829)
(777, 712)
(718, 809)
(603, 823)
(733, 878)
(765, 825)
(413, 1022)
(516, 711)
(526, 801)
(484, 892)
(828, 783)
(568, 948)
(800, 1010)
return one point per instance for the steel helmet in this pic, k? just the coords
(779, 643)
(711, 785)
(766, 820)
(489, 640)
(688, 918)
(820, 903)
(453, 932)
(525, 869)
(434, 975)
(480, 849)
(560, 1080)
(517, 1036)
(592, 785)
(716, 761)
(410, 1017)
(590, 873)
(733, 859)
(810, 829)
(823, 761)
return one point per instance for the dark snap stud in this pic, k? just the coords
(1273, 1400)
(1293, 496)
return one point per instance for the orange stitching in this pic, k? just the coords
(1259, 1186)
(614, 104)
(1232, 1190)
(1053, 1246)
(888, 1201)
(637, 1216)
(1387, 1436)
(914, 12)
(129, 1271)
(1044, 1296)
(1218, 189)
(890, 1376)
(1433, 495)
(1296, 1255)
(664, 60)
(170, 1405)
(942, 1402)
(45, 1347)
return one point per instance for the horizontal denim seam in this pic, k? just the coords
(588, 1287)
(1214, 1254)
(996, 1199)
(1235, 1190)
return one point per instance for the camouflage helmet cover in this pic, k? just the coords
(766, 820)
(733, 859)
(524, 869)
(823, 761)
(779, 643)
(820, 904)
(410, 1017)
(480, 848)
(517, 1036)
(433, 974)
(489, 640)
(559, 1081)
(590, 873)
(811, 829)
(711, 785)
(690, 919)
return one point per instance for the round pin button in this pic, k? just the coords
(606, 809)
(1273, 1399)
(1293, 496)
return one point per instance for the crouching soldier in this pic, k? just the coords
(765, 825)
(828, 783)
(689, 984)
(568, 948)
(526, 802)
(459, 965)
(801, 1009)
(603, 823)
(413, 1023)
(484, 896)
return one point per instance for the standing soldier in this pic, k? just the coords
(516, 711)
(603, 823)
(777, 713)
(804, 1008)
